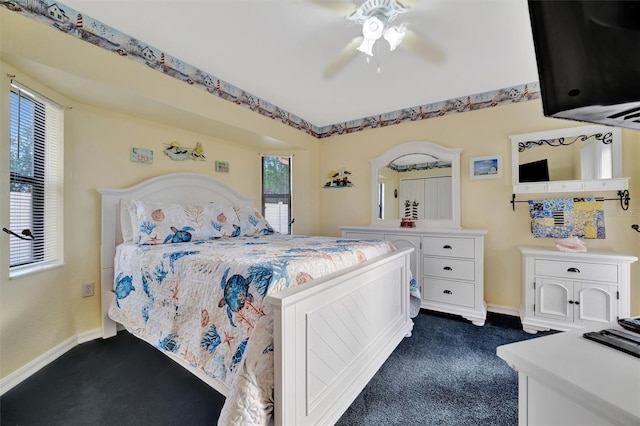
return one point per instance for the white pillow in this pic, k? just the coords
(252, 222)
(161, 223)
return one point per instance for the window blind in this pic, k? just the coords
(36, 179)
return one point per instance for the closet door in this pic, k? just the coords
(438, 188)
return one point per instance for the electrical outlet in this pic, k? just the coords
(87, 289)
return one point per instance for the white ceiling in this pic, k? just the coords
(279, 50)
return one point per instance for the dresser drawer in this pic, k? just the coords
(577, 270)
(448, 246)
(448, 268)
(451, 292)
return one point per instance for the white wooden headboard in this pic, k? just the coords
(173, 187)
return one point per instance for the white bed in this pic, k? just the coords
(306, 318)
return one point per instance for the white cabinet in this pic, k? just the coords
(565, 291)
(447, 264)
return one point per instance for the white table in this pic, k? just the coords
(565, 379)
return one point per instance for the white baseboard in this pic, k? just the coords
(90, 335)
(505, 310)
(26, 371)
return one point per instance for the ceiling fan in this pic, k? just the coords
(376, 18)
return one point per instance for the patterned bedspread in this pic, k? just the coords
(205, 302)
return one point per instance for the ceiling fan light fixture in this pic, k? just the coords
(366, 46)
(394, 36)
(372, 28)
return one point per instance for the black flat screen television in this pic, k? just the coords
(588, 58)
(536, 171)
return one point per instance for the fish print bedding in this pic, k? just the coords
(204, 301)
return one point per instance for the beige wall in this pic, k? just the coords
(145, 110)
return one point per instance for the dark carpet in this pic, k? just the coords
(447, 373)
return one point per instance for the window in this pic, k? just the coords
(381, 200)
(36, 193)
(276, 192)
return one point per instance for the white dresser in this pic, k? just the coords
(448, 265)
(566, 291)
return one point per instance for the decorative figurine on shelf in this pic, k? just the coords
(339, 179)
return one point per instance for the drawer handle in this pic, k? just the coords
(447, 268)
(576, 270)
(447, 292)
(447, 247)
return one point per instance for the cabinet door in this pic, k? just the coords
(404, 241)
(554, 299)
(595, 303)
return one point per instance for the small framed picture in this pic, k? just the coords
(222, 167)
(139, 155)
(486, 167)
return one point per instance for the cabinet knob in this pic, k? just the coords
(447, 292)
(571, 302)
(447, 247)
(576, 270)
(447, 268)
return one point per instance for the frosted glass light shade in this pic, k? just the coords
(394, 36)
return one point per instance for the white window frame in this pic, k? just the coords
(48, 250)
(290, 220)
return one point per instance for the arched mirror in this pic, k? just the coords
(419, 180)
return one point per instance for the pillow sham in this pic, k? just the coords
(225, 220)
(252, 222)
(163, 223)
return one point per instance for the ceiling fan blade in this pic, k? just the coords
(422, 48)
(344, 57)
(343, 8)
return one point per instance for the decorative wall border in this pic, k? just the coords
(83, 27)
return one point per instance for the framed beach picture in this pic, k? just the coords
(485, 167)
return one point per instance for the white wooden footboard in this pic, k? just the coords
(332, 335)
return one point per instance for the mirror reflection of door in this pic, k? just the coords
(432, 195)
(415, 177)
